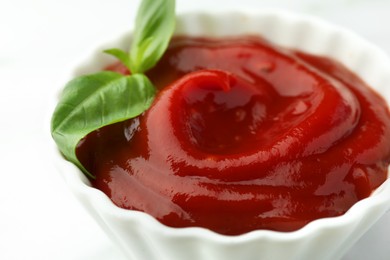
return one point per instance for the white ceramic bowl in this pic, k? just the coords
(142, 237)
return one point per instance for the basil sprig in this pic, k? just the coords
(92, 101)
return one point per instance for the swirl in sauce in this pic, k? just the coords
(244, 135)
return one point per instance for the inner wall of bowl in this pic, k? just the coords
(306, 34)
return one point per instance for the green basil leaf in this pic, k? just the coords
(120, 55)
(154, 27)
(93, 101)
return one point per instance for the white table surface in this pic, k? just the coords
(39, 39)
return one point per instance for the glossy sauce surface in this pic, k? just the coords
(244, 135)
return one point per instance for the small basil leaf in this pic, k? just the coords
(93, 101)
(120, 55)
(154, 27)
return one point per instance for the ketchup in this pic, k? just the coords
(244, 135)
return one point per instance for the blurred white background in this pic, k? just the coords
(39, 40)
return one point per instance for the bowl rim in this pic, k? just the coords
(81, 186)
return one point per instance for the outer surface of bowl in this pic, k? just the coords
(142, 237)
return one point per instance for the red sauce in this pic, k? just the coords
(244, 135)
